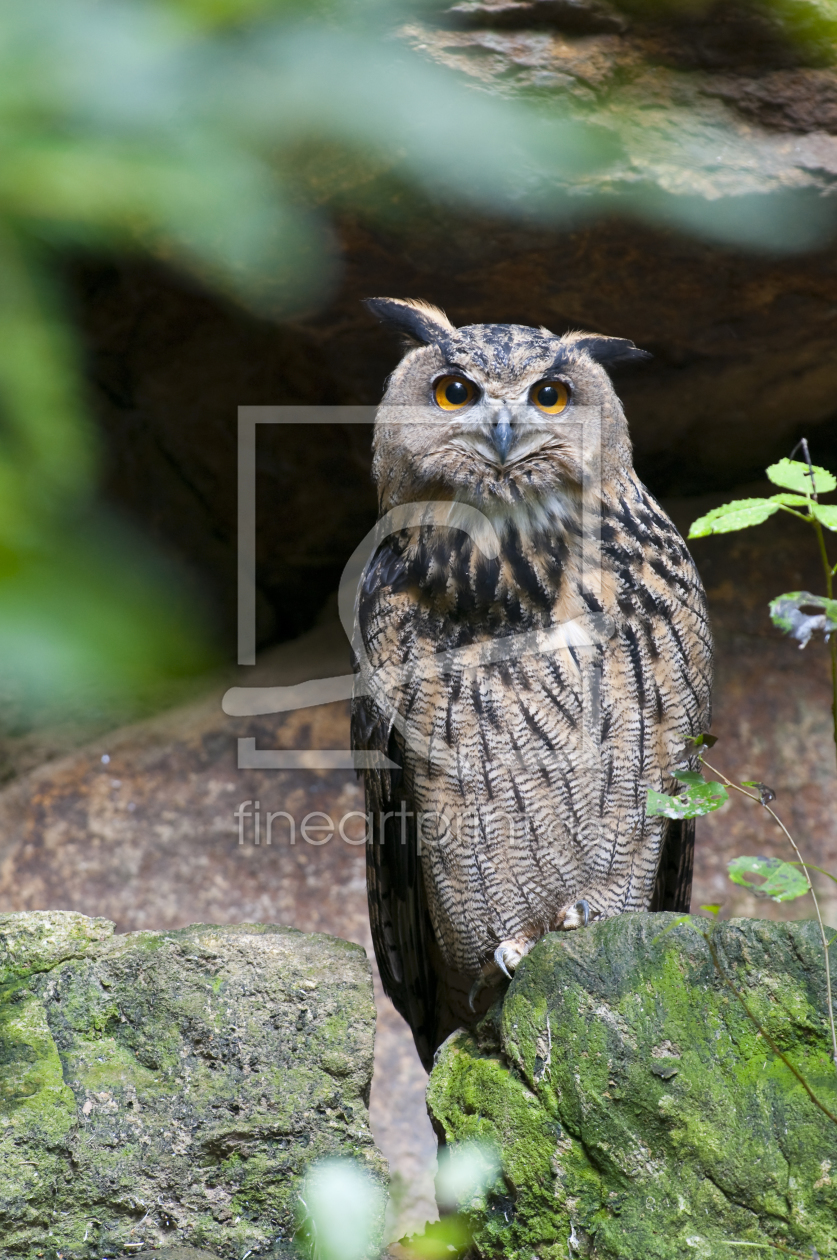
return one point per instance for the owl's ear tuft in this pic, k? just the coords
(610, 351)
(417, 320)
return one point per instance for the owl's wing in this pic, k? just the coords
(401, 930)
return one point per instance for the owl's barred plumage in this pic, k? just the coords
(534, 649)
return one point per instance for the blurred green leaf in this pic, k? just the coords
(216, 135)
(446, 1239)
(794, 475)
(782, 881)
(341, 1210)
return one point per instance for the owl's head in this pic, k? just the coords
(500, 416)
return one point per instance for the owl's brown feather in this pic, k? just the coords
(530, 697)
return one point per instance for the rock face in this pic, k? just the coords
(170, 1088)
(706, 100)
(639, 1112)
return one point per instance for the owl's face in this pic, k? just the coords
(500, 416)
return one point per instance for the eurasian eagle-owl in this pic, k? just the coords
(534, 650)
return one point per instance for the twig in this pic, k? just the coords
(792, 842)
(829, 575)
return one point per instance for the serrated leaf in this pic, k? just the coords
(801, 614)
(701, 799)
(782, 882)
(826, 514)
(794, 475)
(740, 514)
(790, 500)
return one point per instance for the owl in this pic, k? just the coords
(532, 650)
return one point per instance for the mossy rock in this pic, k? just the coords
(639, 1112)
(170, 1088)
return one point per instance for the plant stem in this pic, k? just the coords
(829, 589)
(828, 581)
(793, 844)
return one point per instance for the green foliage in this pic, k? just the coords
(782, 880)
(800, 614)
(700, 797)
(797, 613)
(794, 475)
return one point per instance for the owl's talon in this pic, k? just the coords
(508, 954)
(474, 992)
(500, 959)
(585, 909)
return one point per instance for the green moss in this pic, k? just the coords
(173, 1087)
(640, 1113)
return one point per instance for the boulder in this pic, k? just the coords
(169, 1088)
(639, 1112)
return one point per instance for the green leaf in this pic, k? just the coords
(782, 881)
(740, 514)
(693, 777)
(801, 614)
(794, 475)
(826, 514)
(701, 799)
(790, 500)
(716, 910)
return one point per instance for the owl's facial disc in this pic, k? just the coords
(501, 430)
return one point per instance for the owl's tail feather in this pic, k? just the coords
(673, 889)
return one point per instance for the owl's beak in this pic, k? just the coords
(502, 434)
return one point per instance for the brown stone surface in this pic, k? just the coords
(149, 838)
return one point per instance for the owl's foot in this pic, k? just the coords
(507, 955)
(577, 916)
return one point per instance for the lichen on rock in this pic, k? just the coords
(170, 1088)
(639, 1112)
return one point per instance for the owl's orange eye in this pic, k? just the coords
(454, 392)
(550, 396)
